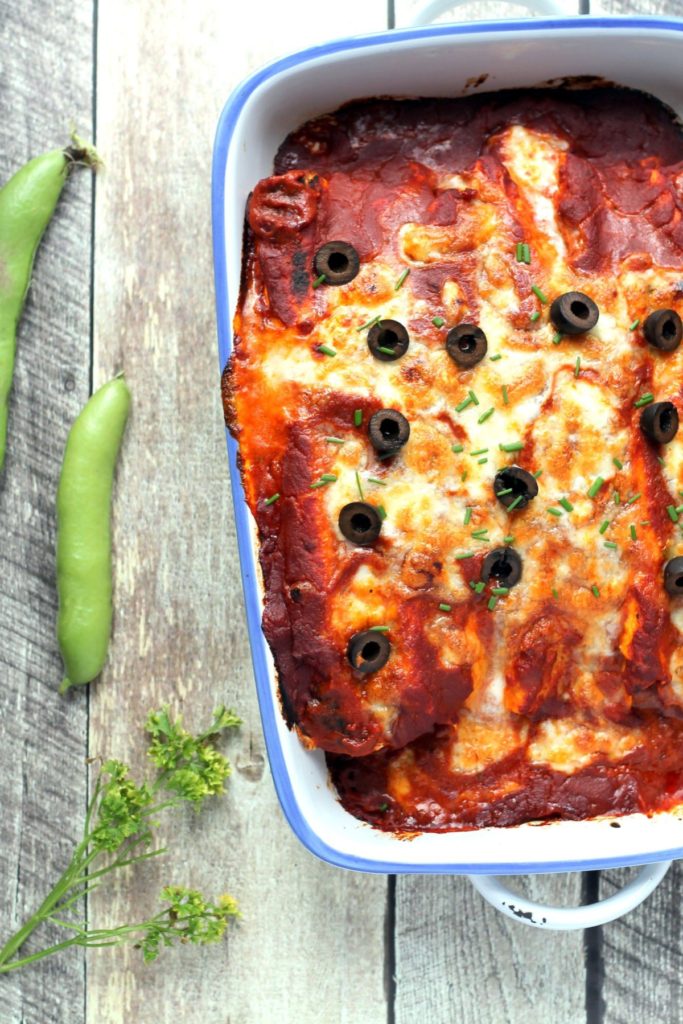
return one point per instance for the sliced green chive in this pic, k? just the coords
(634, 535)
(566, 504)
(468, 516)
(518, 252)
(319, 280)
(479, 451)
(358, 485)
(328, 478)
(617, 497)
(526, 253)
(535, 316)
(358, 417)
(370, 323)
(401, 279)
(480, 462)
(382, 512)
(478, 587)
(273, 498)
(457, 448)
(478, 534)
(326, 350)
(557, 338)
(318, 483)
(634, 499)
(679, 509)
(506, 400)
(438, 321)
(603, 526)
(644, 400)
(673, 514)
(554, 593)
(539, 294)
(463, 405)
(485, 415)
(595, 486)
(494, 359)
(463, 555)
(539, 472)
(632, 326)
(444, 607)
(515, 503)
(473, 397)
(463, 475)
(555, 511)
(596, 592)
(577, 366)
(618, 463)
(385, 350)
(661, 461)
(501, 494)
(493, 601)
(509, 539)
(380, 629)
(610, 544)
(500, 591)
(383, 807)
(374, 480)
(512, 446)
(335, 440)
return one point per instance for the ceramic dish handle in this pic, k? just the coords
(427, 14)
(565, 919)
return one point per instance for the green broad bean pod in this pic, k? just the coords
(84, 573)
(27, 203)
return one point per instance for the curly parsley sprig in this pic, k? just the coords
(119, 831)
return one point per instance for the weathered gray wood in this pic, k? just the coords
(310, 947)
(458, 959)
(45, 88)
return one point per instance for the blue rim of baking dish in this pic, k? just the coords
(225, 130)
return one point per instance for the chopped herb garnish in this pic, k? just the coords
(319, 280)
(646, 522)
(463, 475)
(493, 601)
(634, 499)
(506, 400)
(383, 807)
(555, 511)
(380, 629)
(679, 509)
(518, 252)
(463, 405)
(539, 294)
(512, 446)
(618, 463)
(595, 486)
(381, 512)
(479, 451)
(610, 544)
(535, 316)
(335, 440)
(494, 359)
(438, 321)
(273, 498)
(596, 592)
(673, 514)
(577, 366)
(357, 417)
(326, 350)
(358, 485)
(401, 279)
(370, 323)
(538, 473)
(603, 526)
(468, 516)
(480, 462)
(478, 587)
(661, 461)
(515, 503)
(457, 448)
(566, 504)
(463, 555)
(557, 338)
(385, 350)
(485, 415)
(634, 535)
(501, 494)
(473, 397)
(644, 400)
(634, 324)
(328, 478)
(444, 607)
(478, 534)
(617, 497)
(554, 593)
(374, 480)
(500, 591)
(509, 539)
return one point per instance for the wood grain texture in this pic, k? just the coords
(42, 771)
(459, 959)
(310, 947)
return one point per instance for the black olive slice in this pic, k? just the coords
(360, 523)
(504, 564)
(388, 430)
(574, 313)
(338, 261)
(512, 483)
(466, 345)
(368, 651)
(673, 577)
(664, 329)
(388, 340)
(659, 422)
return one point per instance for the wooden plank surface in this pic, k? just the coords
(42, 775)
(311, 945)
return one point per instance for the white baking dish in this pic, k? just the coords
(644, 53)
